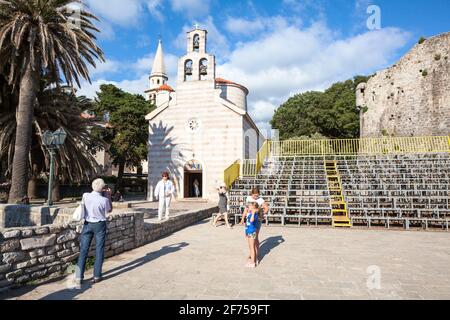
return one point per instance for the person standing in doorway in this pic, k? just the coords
(97, 205)
(164, 191)
(197, 188)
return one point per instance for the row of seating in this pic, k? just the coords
(391, 190)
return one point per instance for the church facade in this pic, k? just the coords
(199, 129)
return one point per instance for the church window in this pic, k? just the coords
(203, 69)
(157, 81)
(247, 147)
(196, 44)
(193, 125)
(187, 70)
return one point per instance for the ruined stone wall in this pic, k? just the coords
(411, 98)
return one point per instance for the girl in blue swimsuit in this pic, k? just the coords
(251, 229)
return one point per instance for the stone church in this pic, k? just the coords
(200, 128)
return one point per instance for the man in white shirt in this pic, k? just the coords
(97, 205)
(164, 191)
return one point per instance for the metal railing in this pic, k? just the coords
(262, 155)
(367, 146)
(248, 168)
(371, 146)
(231, 174)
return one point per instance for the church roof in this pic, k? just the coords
(165, 87)
(225, 82)
(159, 67)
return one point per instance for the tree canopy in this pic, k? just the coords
(331, 113)
(127, 130)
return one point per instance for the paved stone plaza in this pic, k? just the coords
(202, 262)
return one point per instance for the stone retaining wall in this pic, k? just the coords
(17, 215)
(43, 252)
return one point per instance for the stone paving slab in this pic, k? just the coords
(203, 262)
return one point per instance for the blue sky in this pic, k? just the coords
(275, 48)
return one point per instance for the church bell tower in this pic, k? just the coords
(197, 64)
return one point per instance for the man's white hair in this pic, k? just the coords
(98, 185)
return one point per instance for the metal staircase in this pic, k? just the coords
(339, 210)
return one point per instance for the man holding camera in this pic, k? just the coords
(97, 205)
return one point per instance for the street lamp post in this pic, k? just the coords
(53, 141)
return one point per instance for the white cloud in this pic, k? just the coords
(191, 8)
(117, 11)
(280, 62)
(261, 110)
(144, 65)
(243, 26)
(125, 13)
(293, 60)
(106, 30)
(107, 67)
(155, 9)
(138, 84)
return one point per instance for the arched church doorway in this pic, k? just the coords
(193, 179)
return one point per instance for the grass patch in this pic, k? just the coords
(90, 261)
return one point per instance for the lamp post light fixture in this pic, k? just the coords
(53, 141)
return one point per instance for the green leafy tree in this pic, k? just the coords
(127, 130)
(39, 38)
(331, 113)
(56, 107)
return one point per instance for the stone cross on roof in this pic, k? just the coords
(196, 26)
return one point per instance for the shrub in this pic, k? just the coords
(437, 57)
(422, 40)
(365, 109)
(424, 73)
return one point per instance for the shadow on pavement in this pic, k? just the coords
(71, 293)
(268, 245)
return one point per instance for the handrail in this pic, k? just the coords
(231, 174)
(370, 146)
(249, 168)
(262, 155)
(363, 146)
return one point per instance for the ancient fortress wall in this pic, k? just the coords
(411, 98)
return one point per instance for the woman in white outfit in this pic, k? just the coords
(164, 191)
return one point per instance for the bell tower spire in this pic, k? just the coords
(158, 77)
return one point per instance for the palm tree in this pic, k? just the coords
(56, 108)
(39, 38)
